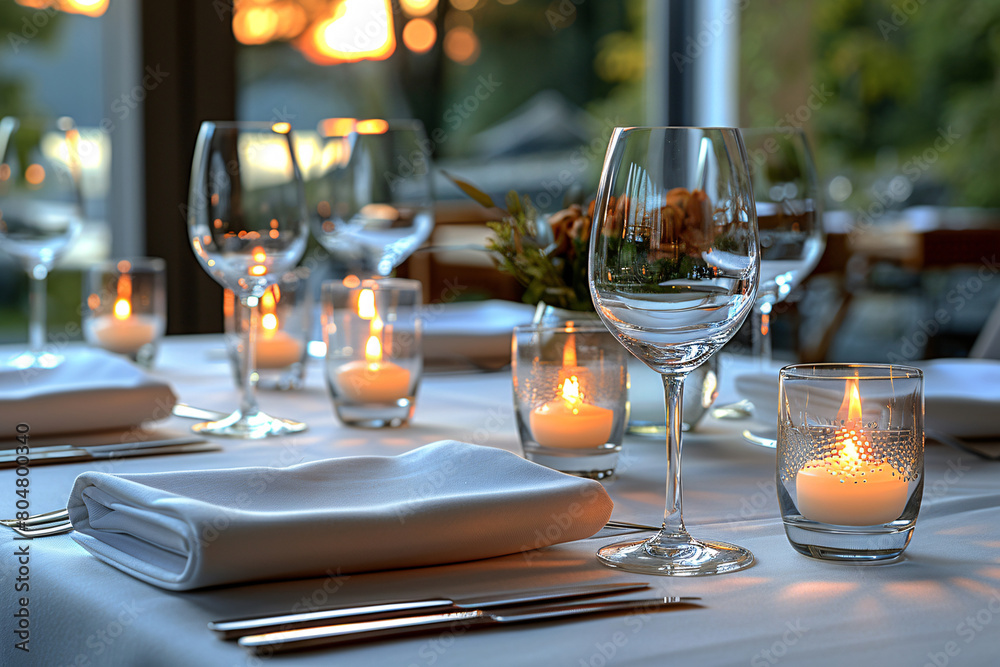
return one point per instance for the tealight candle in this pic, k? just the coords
(373, 380)
(849, 488)
(570, 423)
(124, 335)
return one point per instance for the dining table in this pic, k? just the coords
(939, 604)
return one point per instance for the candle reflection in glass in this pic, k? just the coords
(372, 330)
(125, 307)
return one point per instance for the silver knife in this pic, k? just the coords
(118, 446)
(334, 635)
(77, 455)
(231, 629)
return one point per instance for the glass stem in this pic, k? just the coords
(36, 308)
(248, 401)
(673, 516)
(762, 334)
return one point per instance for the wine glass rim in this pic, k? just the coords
(850, 371)
(712, 128)
(254, 125)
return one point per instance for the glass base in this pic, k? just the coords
(251, 427)
(857, 544)
(29, 359)
(588, 463)
(675, 556)
(376, 415)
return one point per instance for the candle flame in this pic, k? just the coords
(268, 308)
(850, 408)
(366, 305)
(571, 393)
(123, 305)
(373, 351)
(122, 309)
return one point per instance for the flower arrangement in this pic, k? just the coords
(549, 258)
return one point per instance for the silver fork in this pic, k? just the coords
(55, 522)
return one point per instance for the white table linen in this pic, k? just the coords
(941, 603)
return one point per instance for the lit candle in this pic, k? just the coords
(373, 380)
(569, 422)
(275, 348)
(122, 332)
(850, 488)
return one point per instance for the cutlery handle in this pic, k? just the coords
(334, 635)
(250, 626)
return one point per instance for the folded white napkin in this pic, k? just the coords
(961, 396)
(91, 390)
(442, 503)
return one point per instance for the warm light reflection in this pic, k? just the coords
(258, 270)
(351, 281)
(123, 305)
(569, 352)
(336, 127)
(281, 128)
(92, 8)
(372, 126)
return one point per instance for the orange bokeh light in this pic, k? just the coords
(357, 30)
(418, 7)
(461, 45)
(34, 174)
(372, 126)
(419, 35)
(85, 7)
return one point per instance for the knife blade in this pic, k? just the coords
(118, 446)
(77, 455)
(334, 635)
(241, 627)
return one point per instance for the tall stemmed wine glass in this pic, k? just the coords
(786, 192)
(247, 225)
(41, 213)
(371, 192)
(674, 268)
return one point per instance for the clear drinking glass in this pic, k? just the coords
(674, 266)
(850, 459)
(370, 191)
(786, 192)
(41, 212)
(125, 307)
(248, 226)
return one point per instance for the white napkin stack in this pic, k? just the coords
(91, 390)
(442, 503)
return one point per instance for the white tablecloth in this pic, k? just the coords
(939, 605)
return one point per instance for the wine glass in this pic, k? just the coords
(41, 213)
(674, 268)
(247, 225)
(786, 192)
(371, 192)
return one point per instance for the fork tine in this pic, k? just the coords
(57, 529)
(48, 517)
